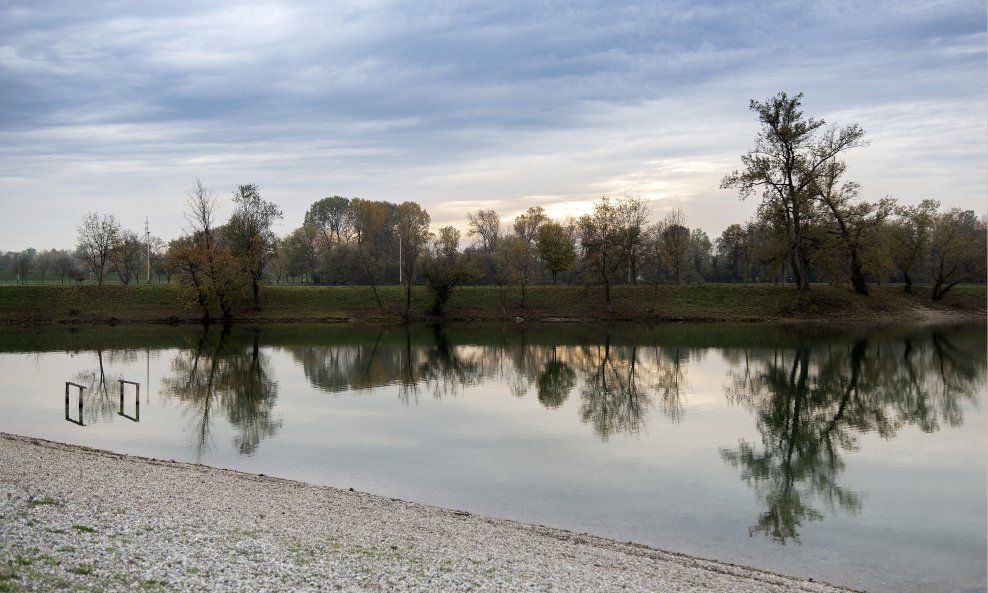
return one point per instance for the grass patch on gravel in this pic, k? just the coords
(40, 502)
(83, 529)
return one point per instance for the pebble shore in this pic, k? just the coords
(78, 519)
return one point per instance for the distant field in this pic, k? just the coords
(54, 303)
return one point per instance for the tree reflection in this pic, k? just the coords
(620, 383)
(230, 375)
(555, 382)
(613, 398)
(812, 403)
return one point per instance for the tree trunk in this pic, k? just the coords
(857, 273)
(909, 282)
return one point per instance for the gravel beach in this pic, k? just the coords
(80, 519)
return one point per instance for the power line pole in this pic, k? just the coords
(147, 240)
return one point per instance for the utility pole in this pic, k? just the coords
(147, 241)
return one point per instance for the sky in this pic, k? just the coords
(117, 107)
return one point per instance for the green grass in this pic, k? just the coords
(82, 305)
(38, 502)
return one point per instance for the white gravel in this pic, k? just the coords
(73, 518)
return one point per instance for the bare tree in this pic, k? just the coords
(487, 224)
(97, 237)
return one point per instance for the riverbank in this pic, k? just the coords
(81, 519)
(85, 304)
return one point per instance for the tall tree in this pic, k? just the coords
(910, 238)
(527, 225)
(555, 248)
(97, 236)
(413, 234)
(674, 244)
(791, 153)
(486, 224)
(444, 269)
(251, 237)
(957, 246)
(854, 222)
(633, 212)
(127, 255)
(602, 239)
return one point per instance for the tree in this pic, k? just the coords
(733, 249)
(486, 224)
(601, 239)
(23, 264)
(300, 253)
(444, 269)
(674, 244)
(251, 238)
(910, 238)
(555, 248)
(97, 236)
(791, 153)
(854, 222)
(202, 260)
(127, 255)
(374, 224)
(957, 246)
(633, 213)
(516, 262)
(413, 235)
(699, 253)
(333, 217)
(527, 225)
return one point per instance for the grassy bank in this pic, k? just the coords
(703, 302)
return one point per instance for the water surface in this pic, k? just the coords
(851, 456)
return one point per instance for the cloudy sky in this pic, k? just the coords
(117, 107)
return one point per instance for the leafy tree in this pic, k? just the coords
(527, 225)
(251, 237)
(555, 248)
(733, 249)
(444, 268)
(957, 246)
(855, 223)
(202, 260)
(374, 224)
(97, 237)
(790, 155)
(413, 235)
(126, 256)
(333, 217)
(699, 253)
(909, 241)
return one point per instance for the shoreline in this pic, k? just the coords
(75, 516)
(700, 303)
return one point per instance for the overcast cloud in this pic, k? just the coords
(118, 107)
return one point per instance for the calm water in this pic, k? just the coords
(847, 456)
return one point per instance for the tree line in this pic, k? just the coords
(811, 225)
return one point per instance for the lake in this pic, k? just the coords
(845, 454)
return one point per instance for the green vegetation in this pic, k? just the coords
(83, 529)
(38, 502)
(82, 305)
